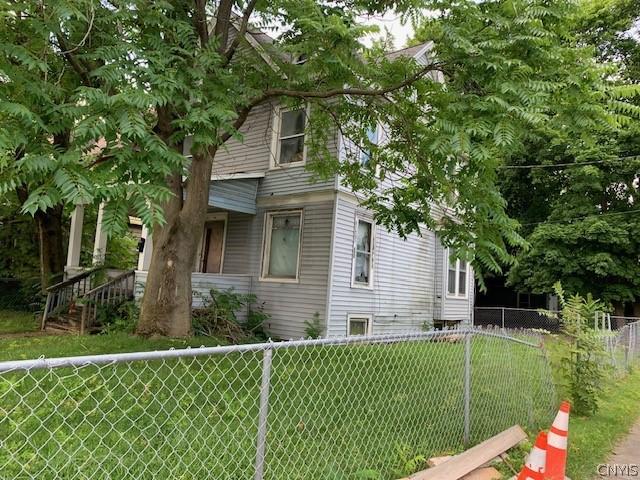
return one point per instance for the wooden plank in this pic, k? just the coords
(434, 461)
(485, 473)
(464, 463)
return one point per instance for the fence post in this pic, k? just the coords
(263, 412)
(467, 387)
(503, 318)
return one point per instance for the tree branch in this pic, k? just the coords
(73, 61)
(200, 21)
(243, 113)
(244, 25)
(359, 92)
(223, 24)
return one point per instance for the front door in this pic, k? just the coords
(213, 246)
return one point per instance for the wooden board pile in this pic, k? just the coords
(473, 464)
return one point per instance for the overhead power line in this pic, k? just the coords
(569, 164)
(569, 220)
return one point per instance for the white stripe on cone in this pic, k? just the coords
(536, 459)
(557, 441)
(562, 421)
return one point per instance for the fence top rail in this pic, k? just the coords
(537, 310)
(189, 352)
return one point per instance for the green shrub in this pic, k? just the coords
(313, 328)
(255, 321)
(219, 316)
(122, 252)
(585, 360)
(118, 318)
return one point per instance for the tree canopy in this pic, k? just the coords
(579, 208)
(148, 74)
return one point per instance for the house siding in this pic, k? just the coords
(291, 304)
(201, 284)
(288, 304)
(401, 299)
(447, 307)
(253, 153)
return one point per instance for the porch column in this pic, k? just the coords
(75, 238)
(100, 241)
(144, 257)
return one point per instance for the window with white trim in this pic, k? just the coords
(365, 152)
(281, 251)
(362, 253)
(457, 277)
(359, 324)
(290, 142)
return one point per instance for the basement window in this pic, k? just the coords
(359, 324)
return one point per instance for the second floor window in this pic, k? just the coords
(457, 278)
(365, 153)
(362, 253)
(291, 137)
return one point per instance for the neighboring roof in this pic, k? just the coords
(413, 51)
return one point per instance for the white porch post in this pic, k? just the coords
(144, 258)
(75, 240)
(100, 241)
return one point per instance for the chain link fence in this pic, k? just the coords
(514, 318)
(308, 409)
(623, 347)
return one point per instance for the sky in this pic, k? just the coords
(391, 22)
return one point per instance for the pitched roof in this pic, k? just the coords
(408, 51)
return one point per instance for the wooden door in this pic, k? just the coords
(213, 247)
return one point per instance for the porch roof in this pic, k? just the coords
(235, 193)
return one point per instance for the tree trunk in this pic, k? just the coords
(166, 304)
(49, 224)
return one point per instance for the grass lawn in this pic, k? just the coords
(354, 412)
(14, 321)
(592, 439)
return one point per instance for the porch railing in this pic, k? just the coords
(61, 295)
(114, 292)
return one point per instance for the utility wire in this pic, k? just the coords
(606, 214)
(570, 164)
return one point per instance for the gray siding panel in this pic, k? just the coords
(280, 181)
(446, 307)
(252, 153)
(291, 304)
(202, 283)
(235, 195)
(402, 296)
(238, 250)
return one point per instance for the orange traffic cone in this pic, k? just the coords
(534, 466)
(557, 445)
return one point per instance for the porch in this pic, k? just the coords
(231, 200)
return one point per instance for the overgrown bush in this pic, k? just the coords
(313, 327)
(584, 362)
(256, 319)
(118, 318)
(122, 252)
(219, 316)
